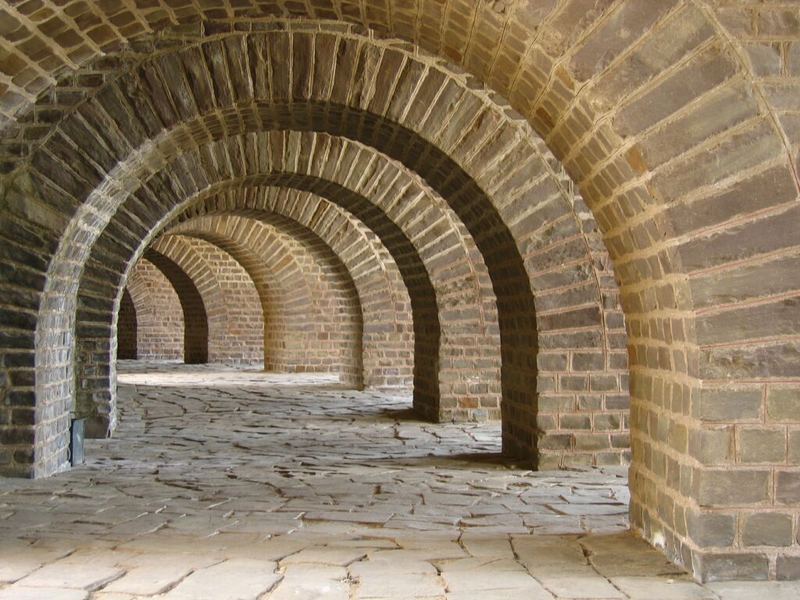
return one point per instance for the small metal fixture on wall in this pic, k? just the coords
(76, 437)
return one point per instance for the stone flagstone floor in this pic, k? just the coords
(225, 485)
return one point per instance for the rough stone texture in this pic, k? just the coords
(232, 304)
(127, 328)
(344, 249)
(557, 327)
(677, 121)
(159, 316)
(291, 486)
(308, 316)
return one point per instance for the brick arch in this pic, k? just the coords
(440, 267)
(160, 334)
(232, 308)
(127, 328)
(388, 335)
(311, 314)
(572, 71)
(449, 277)
(515, 302)
(195, 317)
(571, 320)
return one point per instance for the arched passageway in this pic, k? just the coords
(561, 136)
(195, 318)
(127, 328)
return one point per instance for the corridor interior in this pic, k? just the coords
(400, 299)
(226, 483)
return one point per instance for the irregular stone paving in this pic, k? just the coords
(232, 485)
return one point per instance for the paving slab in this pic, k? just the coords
(226, 483)
(309, 582)
(79, 576)
(390, 585)
(648, 588)
(756, 590)
(151, 579)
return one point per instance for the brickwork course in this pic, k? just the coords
(578, 217)
(156, 309)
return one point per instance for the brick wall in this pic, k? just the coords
(192, 302)
(459, 281)
(555, 259)
(127, 328)
(676, 121)
(159, 316)
(232, 307)
(348, 250)
(310, 322)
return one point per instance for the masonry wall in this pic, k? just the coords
(345, 249)
(675, 124)
(311, 318)
(159, 316)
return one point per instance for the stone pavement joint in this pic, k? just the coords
(227, 484)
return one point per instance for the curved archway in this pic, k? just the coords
(588, 80)
(311, 310)
(232, 306)
(498, 248)
(359, 255)
(471, 322)
(160, 334)
(93, 400)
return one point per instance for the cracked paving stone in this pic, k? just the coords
(236, 579)
(309, 582)
(392, 585)
(325, 556)
(751, 590)
(648, 588)
(151, 579)
(224, 483)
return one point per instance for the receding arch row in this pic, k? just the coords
(351, 250)
(195, 303)
(295, 284)
(518, 330)
(157, 311)
(458, 324)
(311, 311)
(93, 395)
(232, 305)
(195, 316)
(252, 153)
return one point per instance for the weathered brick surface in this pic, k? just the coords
(312, 324)
(159, 316)
(557, 323)
(194, 304)
(663, 116)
